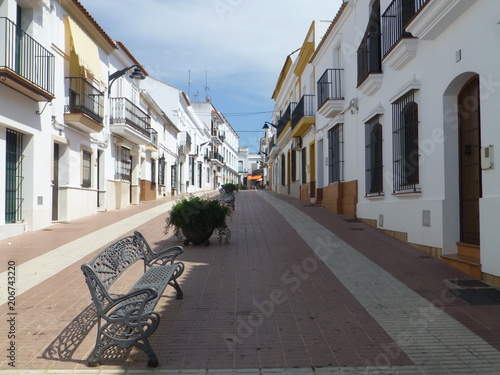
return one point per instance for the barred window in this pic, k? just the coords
(153, 172)
(304, 166)
(161, 171)
(294, 165)
(86, 169)
(123, 165)
(405, 143)
(373, 157)
(336, 154)
(283, 170)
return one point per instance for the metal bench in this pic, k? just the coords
(227, 198)
(129, 319)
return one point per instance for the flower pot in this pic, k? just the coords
(197, 237)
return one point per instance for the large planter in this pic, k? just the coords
(196, 237)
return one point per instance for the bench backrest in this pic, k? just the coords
(116, 258)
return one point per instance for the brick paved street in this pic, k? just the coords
(299, 290)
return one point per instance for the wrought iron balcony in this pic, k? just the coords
(285, 119)
(330, 95)
(304, 115)
(216, 157)
(129, 121)
(153, 144)
(84, 105)
(394, 20)
(25, 65)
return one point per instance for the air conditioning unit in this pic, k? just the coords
(296, 143)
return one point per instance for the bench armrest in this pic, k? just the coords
(131, 304)
(165, 256)
(157, 258)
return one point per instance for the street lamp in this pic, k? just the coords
(137, 75)
(266, 125)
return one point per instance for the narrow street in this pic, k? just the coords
(299, 290)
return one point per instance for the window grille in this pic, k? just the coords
(294, 165)
(283, 170)
(161, 171)
(86, 169)
(304, 166)
(336, 154)
(123, 165)
(373, 158)
(14, 177)
(153, 172)
(405, 143)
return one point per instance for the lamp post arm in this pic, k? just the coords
(113, 77)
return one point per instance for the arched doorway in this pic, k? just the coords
(469, 148)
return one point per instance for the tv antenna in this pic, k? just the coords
(208, 98)
(189, 82)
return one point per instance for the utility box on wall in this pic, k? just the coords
(487, 157)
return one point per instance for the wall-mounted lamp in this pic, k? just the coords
(266, 125)
(353, 105)
(137, 75)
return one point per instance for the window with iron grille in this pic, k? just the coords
(173, 176)
(294, 165)
(283, 170)
(153, 172)
(161, 171)
(405, 143)
(123, 164)
(86, 169)
(373, 158)
(200, 173)
(13, 177)
(336, 154)
(192, 171)
(304, 166)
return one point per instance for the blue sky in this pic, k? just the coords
(231, 49)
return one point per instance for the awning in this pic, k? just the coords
(257, 177)
(86, 49)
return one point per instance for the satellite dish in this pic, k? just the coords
(208, 98)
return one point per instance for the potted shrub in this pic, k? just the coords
(196, 218)
(230, 188)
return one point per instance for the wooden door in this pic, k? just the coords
(469, 161)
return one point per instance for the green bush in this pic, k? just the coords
(199, 214)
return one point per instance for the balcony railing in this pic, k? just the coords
(84, 98)
(123, 111)
(24, 56)
(330, 86)
(394, 20)
(369, 57)
(287, 116)
(185, 139)
(214, 155)
(304, 108)
(154, 137)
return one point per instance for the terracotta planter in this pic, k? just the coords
(196, 237)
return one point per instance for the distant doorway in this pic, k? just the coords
(469, 141)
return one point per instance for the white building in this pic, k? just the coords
(405, 124)
(82, 127)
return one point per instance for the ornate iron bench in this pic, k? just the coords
(130, 319)
(227, 198)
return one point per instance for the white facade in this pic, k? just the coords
(77, 134)
(405, 138)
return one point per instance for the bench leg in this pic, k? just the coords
(146, 348)
(102, 344)
(175, 284)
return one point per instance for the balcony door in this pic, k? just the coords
(469, 161)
